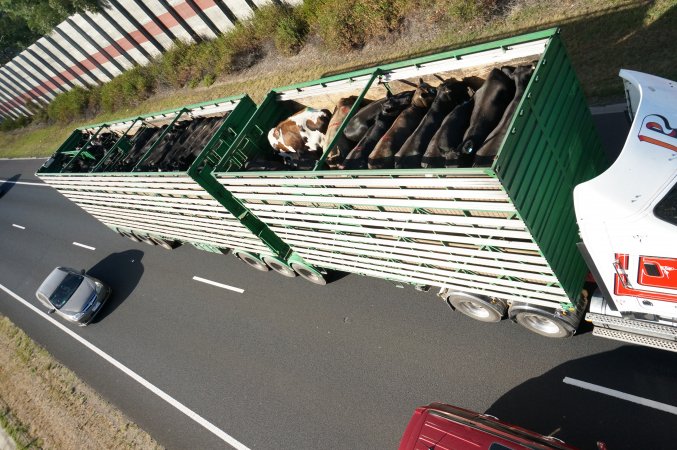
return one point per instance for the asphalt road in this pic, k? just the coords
(287, 364)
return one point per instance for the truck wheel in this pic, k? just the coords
(309, 273)
(147, 239)
(130, 235)
(167, 245)
(279, 266)
(252, 261)
(478, 307)
(545, 324)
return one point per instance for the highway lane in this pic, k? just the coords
(287, 364)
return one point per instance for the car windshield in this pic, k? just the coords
(65, 290)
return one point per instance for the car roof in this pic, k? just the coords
(53, 280)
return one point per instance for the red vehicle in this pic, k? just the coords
(443, 427)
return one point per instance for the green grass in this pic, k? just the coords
(601, 37)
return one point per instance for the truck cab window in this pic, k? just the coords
(666, 209)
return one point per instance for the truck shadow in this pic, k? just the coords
(550, 405)
(122, 272)
(7, 185)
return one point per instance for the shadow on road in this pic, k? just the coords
(580, 417)
(122, 272)
(7, 185)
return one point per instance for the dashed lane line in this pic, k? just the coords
(136, 377)
(221, 285)
(622, 395)
(18, 226)
(84, 246)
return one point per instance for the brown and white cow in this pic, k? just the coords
(302, 133)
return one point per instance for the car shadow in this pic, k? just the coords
(7, 185)
(556, 402)
(122, 272)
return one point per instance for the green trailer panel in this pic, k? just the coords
(507, 231)
(171, 206)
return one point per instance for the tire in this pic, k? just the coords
(309, 273)
(167, 245)
(478, 307)
(545, 324)
(132, 236)
(147, 239)
(252, 260)
(279, 266)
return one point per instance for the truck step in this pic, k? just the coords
(656, 330)
(632, 338)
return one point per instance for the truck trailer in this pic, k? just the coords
(497, 241)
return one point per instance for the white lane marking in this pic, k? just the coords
(23, 182)
(221, 285)
(83, 246)
(18, 226)
(622, 395)
(136, 377)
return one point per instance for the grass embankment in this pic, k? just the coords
(45, 405)
(282, 45)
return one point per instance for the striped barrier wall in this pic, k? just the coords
(92, 48)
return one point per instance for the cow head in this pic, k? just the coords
(424, 94)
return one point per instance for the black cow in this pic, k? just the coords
(442, 150)
(449, 94)
(490, 103)
(390, 110)
(363, 120)
(485, 155)
(383, 155)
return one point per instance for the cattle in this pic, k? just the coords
(338, 153)
(490, 103)
(301, 136)
(363, 120)
(383, 155)
(390, 109)
(141, 142)
(485, 155)
(442, 150)
(449, 94)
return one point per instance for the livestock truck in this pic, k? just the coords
(499, 241)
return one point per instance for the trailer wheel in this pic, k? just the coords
(132, 236)
(148, 240)
(279, 266)
(478, 307)
(252, 261)
(167, 245)
(309, 273)
(545, 324)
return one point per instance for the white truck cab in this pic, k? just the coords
(627, 218)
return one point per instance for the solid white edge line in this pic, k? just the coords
(84, 246)
(622, 395)
(18, 226)
(23, 182)
(136, 377)
(221, 285)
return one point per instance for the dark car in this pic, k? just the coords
(72, 294)
(443, 427)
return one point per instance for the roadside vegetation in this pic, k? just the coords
(282, 45)
(45, 405)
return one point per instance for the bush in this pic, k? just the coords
(239, 48)
(126, 89)
(68, 106)
(13, 124)
(351, 23)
